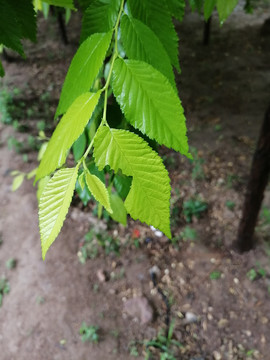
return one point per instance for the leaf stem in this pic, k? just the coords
(106, 86)
(114, 57)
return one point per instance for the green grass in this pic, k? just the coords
(94, 243)
(194, 207)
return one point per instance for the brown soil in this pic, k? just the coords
(225, 91)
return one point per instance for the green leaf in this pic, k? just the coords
(122, 185)
(83, 192)
(61, 3)
(141, 43)
(32, 173)
(119, 212)
(10, 30)
(26, 18)
(98, 190)
(81, 181)
(196, 5)
(84, 4)
(17, 182)
(79, 147)
(209, 6)
(84, 69)
(149, 103)
(225, 8)
(177, 8)
(54, 204)
(99, 17)
(41, 186)
(67, 131)
(156, 15)
(149, 196)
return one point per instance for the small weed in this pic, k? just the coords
(256, 273)
(197, 162)
(231, 180)
(89, 333)
(94, 242)
(252, 274)
(114, 333)
(230, 205)
(169, 161)
(40, 300)
(4, 289)
(41, 125)
(215, 275)
(175, 240)
(11, 263)
(265, 216)
(14, 144)
(194, 207)
(189, 234)
(218, 127)
(133, 350)
(166, 346)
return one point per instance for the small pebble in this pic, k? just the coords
(217, 355)
(101, 275)
(190, 318)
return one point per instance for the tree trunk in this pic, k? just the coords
(207, 31)
(258, 180)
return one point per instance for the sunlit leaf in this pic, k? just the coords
(150, 103)
(54, 204)
(141, 43)
(83, 69)
(119, 212)
(98, 190)
(148, 199)
(67, 131)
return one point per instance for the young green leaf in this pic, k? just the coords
(79, 147)
(225, 8)
(81, 180)
(208, 8)
(156, 15)
(100, 16)
(98, 190)
(17, 182)
(149, 103)
(149, 196)
(141, 43)
(119, 212)
(84, 69)
(122, 185)
(62, 3)
(54, 204)
(41, 186)
(67, 131)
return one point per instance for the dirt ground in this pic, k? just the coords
(220, 310)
